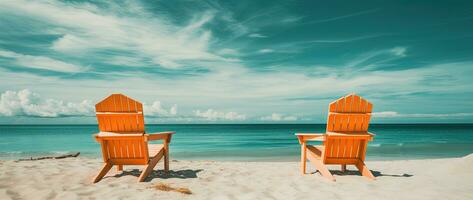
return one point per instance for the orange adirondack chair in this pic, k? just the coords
(345, 140)
(123, 139)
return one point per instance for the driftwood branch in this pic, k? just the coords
(52, 157)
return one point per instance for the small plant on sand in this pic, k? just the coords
(167, 188)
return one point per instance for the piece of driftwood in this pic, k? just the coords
(52, 157)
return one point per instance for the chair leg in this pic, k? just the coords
(119, 168)
(149, 167)
(106, 167)
(364, 170)
(303, 158)
(344, 168)
(166, 160)
(320, 166)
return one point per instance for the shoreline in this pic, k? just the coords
(446, 178)
(235, 159)
(294, 158)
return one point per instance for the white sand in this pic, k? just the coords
(70, 179)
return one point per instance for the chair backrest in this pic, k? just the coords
(349, 114)
(347, 128)
(124, 149)
(121, 114)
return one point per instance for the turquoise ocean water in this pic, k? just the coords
(271, 142)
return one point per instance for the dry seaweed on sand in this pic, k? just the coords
(167, 188)
(52, 157)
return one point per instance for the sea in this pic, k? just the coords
(241, 142)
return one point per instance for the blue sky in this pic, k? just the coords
(236, 61)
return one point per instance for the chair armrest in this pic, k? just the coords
(160, 136)
(313, 134)
(368, 135)
(97, 137)
(304, 137)
(372, 136)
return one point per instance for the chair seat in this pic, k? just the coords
(154, 149)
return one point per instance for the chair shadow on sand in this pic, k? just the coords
(181, 174)
(375, 173)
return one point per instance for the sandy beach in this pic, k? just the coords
(70, 178)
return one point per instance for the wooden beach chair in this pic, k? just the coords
(345, 140)
(123, 139)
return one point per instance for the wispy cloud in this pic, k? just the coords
(257, 35)
(375, 58)
(228, 51)
(291, 19)
(251, 24)
(266, 50)
(296, 47)
(342, 40)
(399, 51)
(40, 62)
(343, 16)
(361, 64)
(86, 28)
(215, 56)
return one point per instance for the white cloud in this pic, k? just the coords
(87, 28)
(257, 35)
(41, 62)
(26, 103)
(266, 50)
(213, 115)
(393, 114)
(157, 110)
(278, 117)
